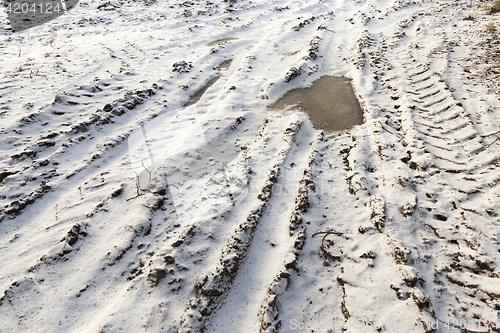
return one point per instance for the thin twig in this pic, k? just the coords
(396, 134)
(137, 184)
(149, 172)
(323, 247)
(494, 133)
(33, 73)
(328, 232)
(498, 138)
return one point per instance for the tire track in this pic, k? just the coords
(270, 310)
(220, 284)
(454, 144)
(447, 235)
(47, 151)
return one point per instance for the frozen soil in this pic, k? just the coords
(146, 186)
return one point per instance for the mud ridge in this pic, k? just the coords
(212, 286)
(269, 311)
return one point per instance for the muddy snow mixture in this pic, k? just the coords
(246, 166)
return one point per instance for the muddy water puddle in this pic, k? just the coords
(197, 96)
(330, 103)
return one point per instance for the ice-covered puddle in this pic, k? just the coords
(330, 103)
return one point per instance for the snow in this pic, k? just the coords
(127, 205)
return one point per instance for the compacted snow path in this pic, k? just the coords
(145, 185)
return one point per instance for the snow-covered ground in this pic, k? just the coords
(126, 206)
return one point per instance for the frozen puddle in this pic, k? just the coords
(220, 41)
(197, 96)
(330, 103)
